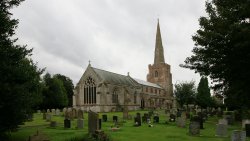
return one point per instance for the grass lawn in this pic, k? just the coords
(159, 132)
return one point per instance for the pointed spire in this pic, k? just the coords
(159, 52)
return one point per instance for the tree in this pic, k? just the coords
(185, 93)
(20, 88)
(222, 50)
(203, 97)
(68, 85)
(54, 93)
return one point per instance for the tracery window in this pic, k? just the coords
(115, 96)
(89, 91)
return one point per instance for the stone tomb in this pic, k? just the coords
(238, 135)
(221, 130)
(93, 122)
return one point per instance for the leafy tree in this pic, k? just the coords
(203, 97)
(19, 77)
(222, 50)
(185, 93)
(68, 85)
(54, 93)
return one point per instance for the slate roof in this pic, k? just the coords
(115, 78)
(142, 82)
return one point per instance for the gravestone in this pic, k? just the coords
(138, 119)
(57, 112)
(53, 124)
(221, 130)
(194, 128)
(80, 114)
(48, 110)
(156, 119)
(80, 123)
(39, 111)
(223, 121)
(93, 122)
(74, 113)
(229, 118)
(115, 119)
(245, 121)
(238, 135)
(181, 122)
(198, 119)
(44, 115)
(100, 124)
(53, 111)
(67, 123)
(104, 118)
(48, 117)
(64, 111)
(172, 118)
(247, 128)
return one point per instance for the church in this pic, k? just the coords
(104, 91)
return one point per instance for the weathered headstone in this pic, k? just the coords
(181, 122)
(245, 121)
(44, 115)
(79, 123)
(198, 119)
(64, 111)
(100, 124)
(93, 122)
(223, 121)
(194, 128)
(48, 117)
(57, 112)
(39, 111)
(80, 114)
(53, 124)
(53, 111)
(221, 130)
(238, 135)
(104, 118)
(137, 119)
(67, 123)
(48, 110)
(74, 113)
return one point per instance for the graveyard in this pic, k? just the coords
(133, 128)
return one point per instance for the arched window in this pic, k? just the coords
(135, 98)
(156, 73)
(89, 91)
(115, 96)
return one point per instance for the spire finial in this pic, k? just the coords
(159, 52)
(89, 63)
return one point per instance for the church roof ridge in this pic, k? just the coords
(114, 78)
(143, 82)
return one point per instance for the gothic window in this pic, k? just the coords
(156, 73)
(135, 98)
(151, 90)
(89, 91)
(115, 96)
(146, 89)
(155, 91)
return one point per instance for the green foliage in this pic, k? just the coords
(222, 50)
(185, 93)
(68, 85)
(54, 93)
(20, 87)
(203, 97)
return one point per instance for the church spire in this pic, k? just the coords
(159, 52)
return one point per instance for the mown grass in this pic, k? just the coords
(127, 132)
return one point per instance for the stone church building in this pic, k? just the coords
(103, 91)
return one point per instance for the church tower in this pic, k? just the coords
(159, 72)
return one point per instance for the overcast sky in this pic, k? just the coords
(116, 35)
